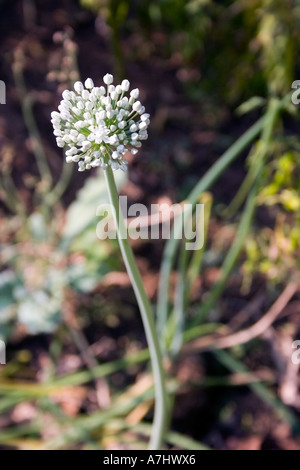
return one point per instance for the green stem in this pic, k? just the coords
(242, 193)
(248, 214)
(117, 17)
(203, 185)
(30, 121)
(231, 258)
(161, 405)
(260, 389)
(59, 189)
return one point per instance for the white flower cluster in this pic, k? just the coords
(100, 124)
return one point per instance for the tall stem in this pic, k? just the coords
(172, 244)
(161, 400)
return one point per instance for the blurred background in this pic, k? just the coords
(77, 374)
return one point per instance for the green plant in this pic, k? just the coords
(99, 126)
(47, 258)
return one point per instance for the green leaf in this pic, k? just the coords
(40, 312)
(83, 279)
(251, 104)
(38, 227)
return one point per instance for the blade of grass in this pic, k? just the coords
(8, 402)
(204, 184)
(18, 431)
(247, 217)
(29, 118)
(175, 438)
(260, 390)
(187, 274)
(242, 193)
(178, 315)
(61, 186)
(194, 267)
